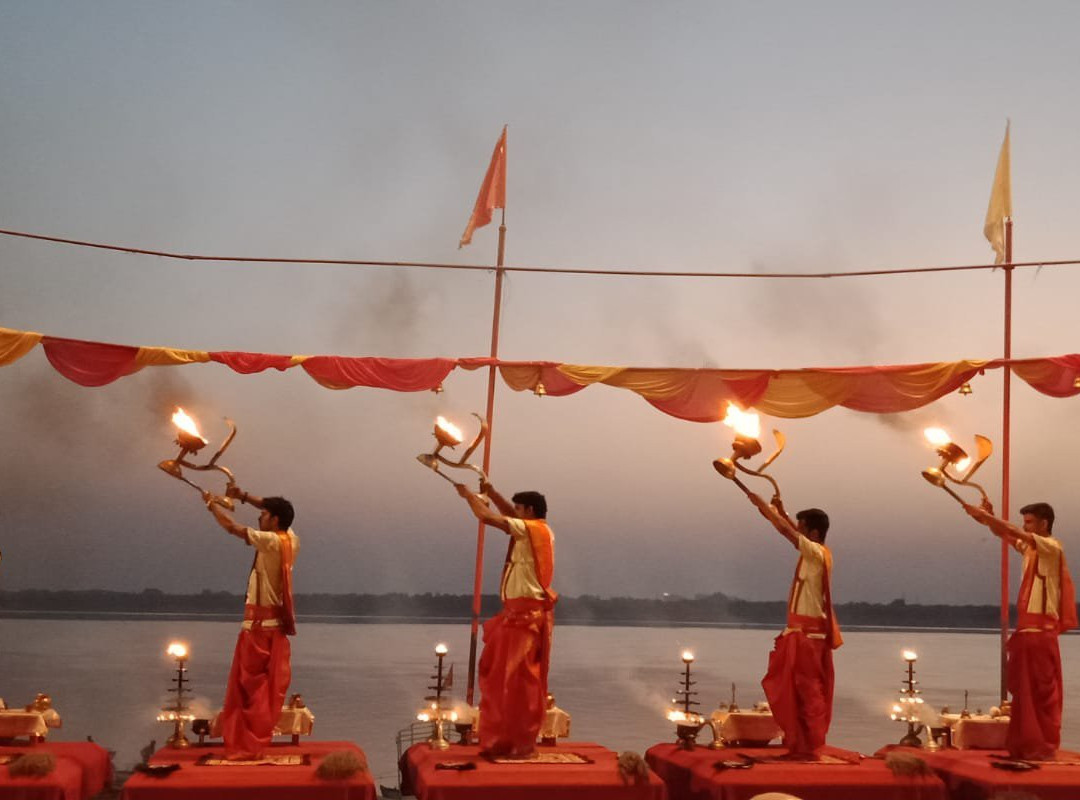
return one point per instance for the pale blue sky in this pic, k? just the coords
(688, 136)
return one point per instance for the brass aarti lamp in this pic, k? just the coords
(191, 441)
(909, 704)
(687, 721)
(436, 712)
(953, 456)
(448, 435)
(747, 426)
(178, 712)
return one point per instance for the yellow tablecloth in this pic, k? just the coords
(977, 733)
(16, 722)
(745, 726)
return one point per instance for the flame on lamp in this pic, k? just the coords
(687, 656)
(441, 649)
(909, 655)
(744, 423)
(177, 650)
(185, 423)
(937, 437)
(448, 429)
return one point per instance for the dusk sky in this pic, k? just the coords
(764, 136)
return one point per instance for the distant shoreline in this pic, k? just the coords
(134, 616)
(705, 611)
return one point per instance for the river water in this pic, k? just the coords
(364, 682)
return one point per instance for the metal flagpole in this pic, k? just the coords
(1005, 444)
(478, 580)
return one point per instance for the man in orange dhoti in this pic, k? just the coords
(260, 672)
(1045, 607)
(799, 680)
(517, 641)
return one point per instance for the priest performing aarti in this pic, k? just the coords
(799, 680)
(1045, 607)
(261, 670)
(513, 671)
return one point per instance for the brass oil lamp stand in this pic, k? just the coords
(687, 721)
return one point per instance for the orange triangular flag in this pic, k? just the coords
(492, 191)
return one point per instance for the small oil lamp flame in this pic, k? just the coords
(744, 423)
(909, 655)
(177, 650)
(448, 434)
(687, 656)
(937, 436)
(186, 424)
(441, 649)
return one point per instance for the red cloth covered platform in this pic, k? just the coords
(691, 775)
(249, 783)
(82, 770)
(968, 774)
(598, 780)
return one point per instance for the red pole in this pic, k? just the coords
(1005, 449)
(478, 578)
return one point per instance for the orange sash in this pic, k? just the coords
(288, 614)
(826, 625)
(1066, 602)
(543, 548)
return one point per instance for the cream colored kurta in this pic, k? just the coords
(264, 582)
(809, 599)
(1047, 555)
(519, 576)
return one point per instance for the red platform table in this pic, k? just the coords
(82, 770)
(841, 775)
(194, 781)
(971, 774)
(597, 779)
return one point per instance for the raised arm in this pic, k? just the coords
(505, 507)
(480, 509)
(999, 527)
(223, 517)
(776, 518)
(235, 492)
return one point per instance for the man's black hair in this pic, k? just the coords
(816, 520)
(533, 500)
(1041, 511)
(282, 509)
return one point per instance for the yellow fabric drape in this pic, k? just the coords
(16, 344)
(169, 356)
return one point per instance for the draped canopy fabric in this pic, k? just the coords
(698, 395)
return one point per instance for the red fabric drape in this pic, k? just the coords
(247, 363)
(90, 363)
(399, 374)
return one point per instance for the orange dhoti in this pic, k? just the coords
(258, 682)
(1036, 688)
(513, 676)
(799, 688)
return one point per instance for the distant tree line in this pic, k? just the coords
(707, 609)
